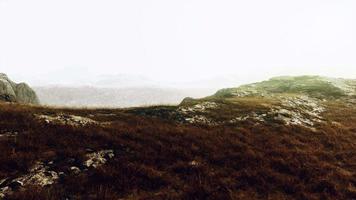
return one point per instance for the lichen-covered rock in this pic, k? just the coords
(97, 159)
(13, 92)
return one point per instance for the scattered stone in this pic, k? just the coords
(337, 124)
(200, 119)
(194, 163)
(191, 116)
(89, 150)
(4, 191)
(75, 170)
(61, 174)
(301, 110)
(41, 174)
(9, 134)
(64, 119)
(202, 107)
(44, 178)
(2, 181)
(252, 116)
(97, 159)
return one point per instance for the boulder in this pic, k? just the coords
(13, 92)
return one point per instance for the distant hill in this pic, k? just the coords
(316, 86)
(13, 92)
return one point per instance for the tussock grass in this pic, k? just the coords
(161, 159)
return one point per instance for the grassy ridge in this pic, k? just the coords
(312, 86)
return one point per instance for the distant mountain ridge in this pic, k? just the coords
(13, 92)
(114, 97)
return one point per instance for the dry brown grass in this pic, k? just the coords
(158, 159)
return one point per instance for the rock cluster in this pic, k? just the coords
(202, 107)
(300, 110)
(43, 174)
(97, 159)
(39, 175)
(64, 119)
(191, 115)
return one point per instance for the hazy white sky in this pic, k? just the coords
(180, 40)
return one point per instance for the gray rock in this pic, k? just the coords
(3, 181)
(61, 174)
(75, 170)
(13, 92)
(4, 191)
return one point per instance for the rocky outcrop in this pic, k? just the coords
(13, 92)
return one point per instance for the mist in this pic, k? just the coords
(175, 43)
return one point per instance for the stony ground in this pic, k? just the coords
(296, 110)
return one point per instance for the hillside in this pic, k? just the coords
(303, 101)
(285, 138)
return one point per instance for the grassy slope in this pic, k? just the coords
(153, 157)
(313, 86)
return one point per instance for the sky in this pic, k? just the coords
(75, 41)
